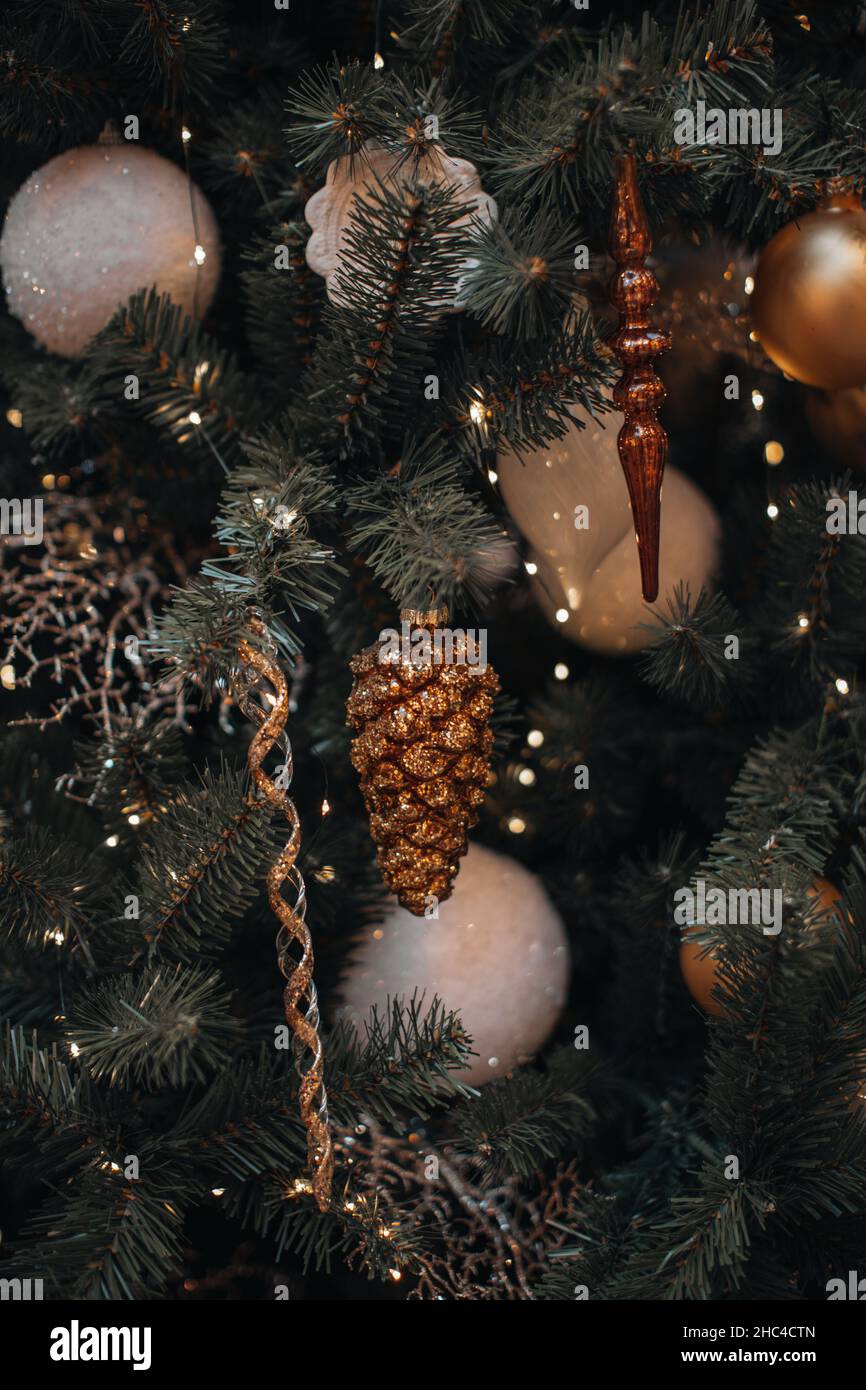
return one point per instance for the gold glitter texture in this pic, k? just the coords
(299, 996)
(423, 751)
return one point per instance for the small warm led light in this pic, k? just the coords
(560, 670)
(492, 477)
(530, 566)
(803, 621)
(772, 511)
(476, 412)
(326, 807)
(395, 1275)
(749, 284)
(74, 1049)
(516, 825)
(200, 254)
(58, 936)
(186, 133)
(15, 418)
(842, 686)
(217, 1191)
(773, 451)
(7, 677)
(562, 615)
(526, 777)
(112, 841)
(535, 738)
(194, 417)
(134, 820)
(378, 61)
(757, 400)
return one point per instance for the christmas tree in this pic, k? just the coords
(334, 367)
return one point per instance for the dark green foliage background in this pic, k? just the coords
(749, 771)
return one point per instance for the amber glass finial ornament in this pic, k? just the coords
(642, 440)
(809, 303)
(420, 706)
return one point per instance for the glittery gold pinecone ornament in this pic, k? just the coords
(422, 701)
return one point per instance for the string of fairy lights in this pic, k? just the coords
(479, 413)
(773, 456)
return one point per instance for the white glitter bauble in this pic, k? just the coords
(92, 227)
(590, 575)
(497, 954)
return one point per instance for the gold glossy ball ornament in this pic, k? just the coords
(809, 302)
(700, 967)
(838, 421)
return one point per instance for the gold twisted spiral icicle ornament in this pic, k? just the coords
(299, 996)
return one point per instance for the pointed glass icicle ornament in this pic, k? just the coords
(642, 441)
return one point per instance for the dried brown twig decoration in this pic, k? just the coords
(479, 1242)
(70, 603)
(299, 997)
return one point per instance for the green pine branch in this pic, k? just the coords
(515, 1125)
(422, 532)
(398, 275)
(164, 1026)
(187, 385)
(404, 1061)
(202, 866)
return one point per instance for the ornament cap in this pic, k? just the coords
(840, 202)
(421, 617)
(109, 135)
(838, 194)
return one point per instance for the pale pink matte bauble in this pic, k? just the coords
(591, 575)
(92, 227)
(497, 954)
